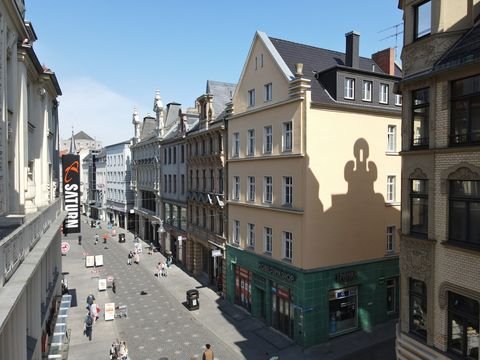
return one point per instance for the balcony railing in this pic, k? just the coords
(15, 247)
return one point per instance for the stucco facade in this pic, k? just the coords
(440, 262)
(308, 210)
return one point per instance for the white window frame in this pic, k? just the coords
(367, 90)
(268, 92)
(398, 100)
(287, 190)
(287, 138)
(383, 93)
(287, 248)
(236, 145)
(391, 183)
(349, 91)
(390, 239)
(392, 138)
(251, 188)
(236, 188)
(251, 235)
(236, 232)
(251, 97)
(267, 239)
(250, 142)
(267, 189)
(267, 139)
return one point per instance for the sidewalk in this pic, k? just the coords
(246, 336)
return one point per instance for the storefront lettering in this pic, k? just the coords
(346, 276)
(276, 272)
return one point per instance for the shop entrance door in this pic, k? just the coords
(261, 299)
(284, 316)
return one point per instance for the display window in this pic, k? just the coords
(418, 308)
(243, 287)
(343, 310)
(463, 326)
(282, 309)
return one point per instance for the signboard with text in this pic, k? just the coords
(109, 311)
(102, 284)
(89, 261)
(71, 193)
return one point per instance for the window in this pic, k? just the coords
(383, 94)
(420, 115)
(392, 295)
(220, 181)
(267, 239)
(287, 245)
(465, 111)
(419, 207)
(423, 19)
(169, 155)
(287, 191)
(251, 235)
(236, 145)
(390, 239)
(267, 189)
(169, 183)
(287, 136)
(236, 188)
(418, 308)
(463, 326)
(261, 60)
(398, 100)
(212, 181)
(349, 88)
(251, 142)
(267, 140)
(251, 189)
(204, 180)
(367, 91)
(392, 138)
(268, 92)
(251, 97)
(390, 188)
(212, 221)
(182, 154)
(174, 154)
(464, 212)
(182, 184)
(236, 232)
(174, 184)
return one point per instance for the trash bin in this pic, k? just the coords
(121, 237)
(192, 299)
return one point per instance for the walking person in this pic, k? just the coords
(208, 353)
(158, 270)
(123, 353)
(88, 326)
(137, 258)
(129, 258)
(96, 239)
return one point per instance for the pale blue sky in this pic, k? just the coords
(111, 55)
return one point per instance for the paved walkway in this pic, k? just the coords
(159, 326)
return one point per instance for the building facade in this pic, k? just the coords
(440, 239)
(313, 189)
(206, 184)
(119, 195)
(30, 210)
(101, 185)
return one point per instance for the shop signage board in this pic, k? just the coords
(102, 284)
(71, 193)
(275, 272)
(109, 311)
(98, 260)
(216, 253)
(89, 261)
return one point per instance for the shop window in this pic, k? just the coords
(243, 288)
(463, 326)
(418, 308)
(282, 309)
(392, 295)
(343, 315)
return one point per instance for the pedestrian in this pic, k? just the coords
(208, 353)
(87, 326)
(129, 258)
(113, 352)
(137, 258)
(90, 299)
(158, 270)
(150, 249)
(114, 287)
(96, 239)
(123, 353)
(165, 267)
(162, 269)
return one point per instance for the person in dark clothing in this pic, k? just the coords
(88, 326)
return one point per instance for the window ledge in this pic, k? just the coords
(393, 203)
(391, 153)
(250, 247)
(287, 260)
(267, 253)
(390, 253)
(462, 245)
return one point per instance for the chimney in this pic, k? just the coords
(385, 59)
(352, 57)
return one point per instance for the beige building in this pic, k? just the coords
(440, 240)
(314, 188)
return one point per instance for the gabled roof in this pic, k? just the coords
(222, 94)
(465, 51)
(82, 136)
(148, 127)
(316, 59)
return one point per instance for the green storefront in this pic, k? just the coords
(313, 306)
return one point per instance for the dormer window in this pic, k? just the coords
(349, 88)
(423, 19)
(251, 97)
(268, 92)
(383, 94)
(367, 91)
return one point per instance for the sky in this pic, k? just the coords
(110, 56)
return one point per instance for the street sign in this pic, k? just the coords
(65, 247)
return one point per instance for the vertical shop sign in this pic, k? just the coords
(71, 193)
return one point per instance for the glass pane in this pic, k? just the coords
(460, 121)
(474, 230)
(418, 315)
(465, 188)
(419, 213)
(423, 19)
(417, 287)
(472, 339)
(457, 220)
(475, 118)
(419, 186)
(456, 334)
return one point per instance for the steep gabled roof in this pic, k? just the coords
(82, 136)
(316, 59)
(222, 94)
(148, 127)
(465, 51)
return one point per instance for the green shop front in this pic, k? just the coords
(313, 306)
